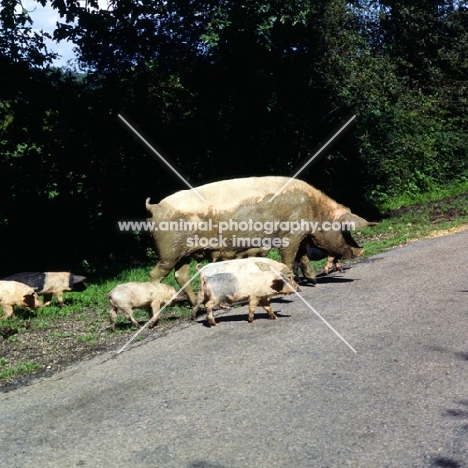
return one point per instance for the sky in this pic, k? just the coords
(45, 18)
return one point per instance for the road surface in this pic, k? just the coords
(285, 393)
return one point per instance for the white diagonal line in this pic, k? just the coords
(314, 311)
(276, 272)
(312, 158)
(160, 310)
(160, 157)
(325, 322)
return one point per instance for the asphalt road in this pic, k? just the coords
(285, 393)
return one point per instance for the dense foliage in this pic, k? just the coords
(223, 90)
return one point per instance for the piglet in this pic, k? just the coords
(136, 295)
(51, 283)
(13, 293)
(251, 279)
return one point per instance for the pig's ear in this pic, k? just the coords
(351, 221)
(29, 299)
(277, 284)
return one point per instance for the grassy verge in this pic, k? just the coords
(418, 220)
(52, 337)
(449, 192)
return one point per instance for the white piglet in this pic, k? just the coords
(137, 295)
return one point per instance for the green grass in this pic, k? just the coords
(417, 218)
(19, 368)
(451, 190)
(90, 338)
(405, 220)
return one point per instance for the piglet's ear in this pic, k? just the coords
(29, 299)
(277, 284)
(354, 221)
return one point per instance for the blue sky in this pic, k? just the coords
(45, 18)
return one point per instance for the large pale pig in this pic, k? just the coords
(275, 200)
(13, 293)
(136, 295)
(252, 279)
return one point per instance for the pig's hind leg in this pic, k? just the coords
(210, 305)
(200, 303)
(59, 297)
(253, 302)
(129, 316)
(112, 317)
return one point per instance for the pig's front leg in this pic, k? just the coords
(7, 312)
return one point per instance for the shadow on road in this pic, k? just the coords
(442, 462)
(334, 279)
(203, 464)
(459, 414)
(242, 318)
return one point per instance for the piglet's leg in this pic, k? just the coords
(195, 309)
(112, 317)
(129, 315)
(265, 303)
(253, 302)
(155, 310)
(7, 312)
(209, 313)
(59, 297)
(47, 299)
